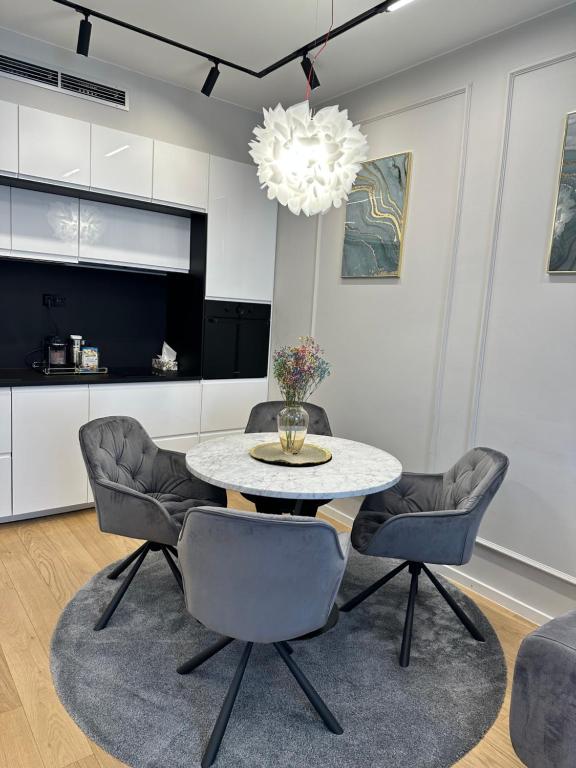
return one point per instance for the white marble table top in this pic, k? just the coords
(356, 469)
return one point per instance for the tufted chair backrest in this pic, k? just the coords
(118, 449)
(472, 482)
(263, 418)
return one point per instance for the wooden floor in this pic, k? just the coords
(43, 562)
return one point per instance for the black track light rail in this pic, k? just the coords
(381, 7)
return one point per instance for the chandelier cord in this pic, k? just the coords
(324, 44)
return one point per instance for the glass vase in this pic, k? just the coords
(292, 428)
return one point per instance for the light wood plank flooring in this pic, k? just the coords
(43, 563)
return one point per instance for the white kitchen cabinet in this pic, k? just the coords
(180, 175)
(44, 226)
(5, 220)
(241, 247)
(113, 234)
(121, 162)
(54, 147)
(8, 138)
(226, 404)
(165, 409)
(5, 420)
(5, 485)
(182, 443)
(47, 467)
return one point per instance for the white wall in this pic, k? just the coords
(157, 109)
(474, 344)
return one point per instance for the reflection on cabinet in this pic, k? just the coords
(5, 485)
(121, 162)
(54, 147)
(8, 137)
(241, 234)
(5, 220)
(47, 466)
(44, 226)
(113, 234)
(5, 420)
(180, 175)
(165, 409)
(226, 404)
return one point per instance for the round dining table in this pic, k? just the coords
(355, 469)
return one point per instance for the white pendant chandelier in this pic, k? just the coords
(308, 161)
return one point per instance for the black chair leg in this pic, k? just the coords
(172, 549)
(415, 569)
(173, 567)
(125, 563)
(311, 693)
(464, 618)
(370, 590)
(221, 723)
(119, 594)
(200, 658)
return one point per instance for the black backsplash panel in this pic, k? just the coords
(126, 314)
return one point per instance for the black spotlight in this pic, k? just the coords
(210, 81)
(84, 37)
(309, 72)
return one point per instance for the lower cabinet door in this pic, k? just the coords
(5, 485)
(47, 467)
(226, 403)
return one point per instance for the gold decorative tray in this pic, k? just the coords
(272, 453)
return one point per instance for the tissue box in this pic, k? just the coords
(161, 366)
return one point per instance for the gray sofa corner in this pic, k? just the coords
(543, 708)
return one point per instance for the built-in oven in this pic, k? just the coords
(236, 340)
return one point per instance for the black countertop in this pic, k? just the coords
(27, 377)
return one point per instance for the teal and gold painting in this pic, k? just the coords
(376, 218)
(563, 250)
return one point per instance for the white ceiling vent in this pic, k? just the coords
(36, 74)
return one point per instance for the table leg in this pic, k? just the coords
(298, 507)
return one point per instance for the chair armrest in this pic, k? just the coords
(127, 512)
(414, 492)
(445, 537)
(171, 475)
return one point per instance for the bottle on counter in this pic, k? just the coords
(75, 350)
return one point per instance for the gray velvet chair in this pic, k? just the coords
(543, 707)
(263, 419)
(140, 491)
(260, 579)
(428, 519)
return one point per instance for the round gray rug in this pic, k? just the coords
(120, 685)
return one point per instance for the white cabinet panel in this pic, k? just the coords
(215, 435)
(226, 405)
(131, 237)
(54, 147)
(8, 137)
(121, 162)
(5, 486)
(44, 225)
(180, 175)
(5, 219)
(241, 234)
(163, 409)
(5, 420)
(182, 443)
(47, 466)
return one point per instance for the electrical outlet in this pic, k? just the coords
(51, 300)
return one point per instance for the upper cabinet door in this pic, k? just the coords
(180, 175)
(241, 234)
(129, 237)
(44, 226)
(54, 147)
(8, 137)
(121, 162)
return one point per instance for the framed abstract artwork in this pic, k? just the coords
(376, 218)
(563, 249)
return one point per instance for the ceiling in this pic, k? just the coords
(256, 33)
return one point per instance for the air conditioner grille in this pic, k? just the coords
(94, 90)
(27, 71)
